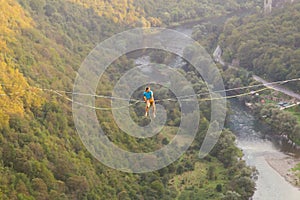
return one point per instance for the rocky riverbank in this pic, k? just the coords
(284, 165)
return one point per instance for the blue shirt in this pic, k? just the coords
(148, 95)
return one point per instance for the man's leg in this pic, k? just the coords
(154, 109)
(147, 108)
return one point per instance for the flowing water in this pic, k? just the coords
(256, 147)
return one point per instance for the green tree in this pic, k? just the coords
(231, 195)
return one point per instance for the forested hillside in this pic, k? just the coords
(157, 12)
(13, 83)
(42, 44)
(267, 45)
(175, 11)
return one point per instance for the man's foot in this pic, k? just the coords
(146, 114)
(154, 115)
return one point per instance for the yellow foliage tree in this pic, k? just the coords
(15, 92)
(120, 11)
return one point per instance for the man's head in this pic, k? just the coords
(147, 89)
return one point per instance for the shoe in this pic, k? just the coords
(154, 115)
(146, 114)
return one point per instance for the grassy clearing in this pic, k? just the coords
(198, 179)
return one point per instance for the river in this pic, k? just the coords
(256, 147)
(252, 139)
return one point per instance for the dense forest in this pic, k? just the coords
(262, 44)
(268, 45)
(42, 44)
